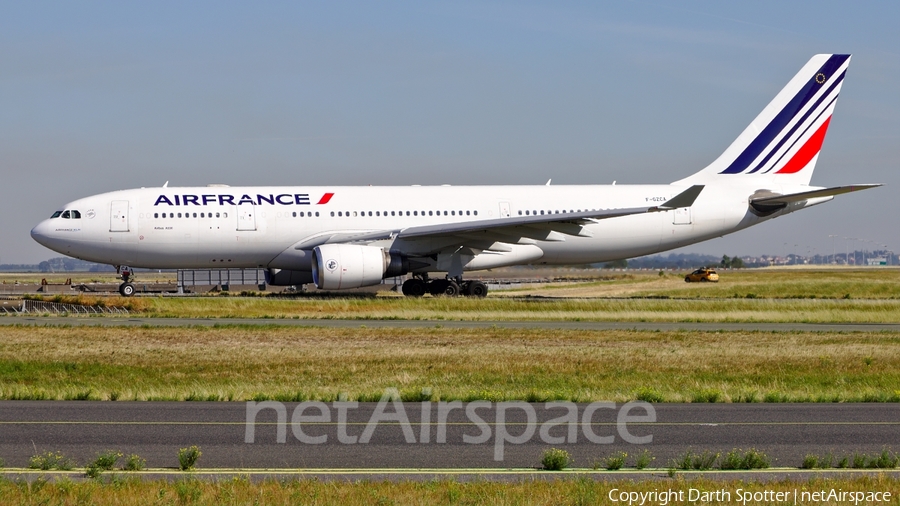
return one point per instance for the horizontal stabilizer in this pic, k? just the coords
(774, 200)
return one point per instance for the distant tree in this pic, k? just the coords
(737, 263)
(725, 263)
(44, 266)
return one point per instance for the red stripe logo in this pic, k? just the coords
(802, 157)
(325, 198)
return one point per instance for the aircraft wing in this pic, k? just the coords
(775, 200)
(548, 227)
(563, 222)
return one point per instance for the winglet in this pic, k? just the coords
(683, 199)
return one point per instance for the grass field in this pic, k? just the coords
(564, 490)
(250, 362)
(765, 295)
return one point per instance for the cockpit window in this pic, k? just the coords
(56, 214)
(76, 215)
(66, 215)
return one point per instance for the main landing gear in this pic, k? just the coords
(420, 285)
(126, 288)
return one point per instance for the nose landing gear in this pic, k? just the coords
(126, 289)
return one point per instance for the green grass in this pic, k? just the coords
(296, 364)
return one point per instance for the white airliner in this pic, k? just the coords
(353, 236)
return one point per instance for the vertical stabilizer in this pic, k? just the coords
(782, 144)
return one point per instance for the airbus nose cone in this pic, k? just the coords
(43, 233)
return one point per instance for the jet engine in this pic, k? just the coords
(339, 266)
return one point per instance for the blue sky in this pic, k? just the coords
(103, 96)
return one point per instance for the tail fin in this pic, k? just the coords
(782, 144)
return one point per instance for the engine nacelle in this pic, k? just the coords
(339, 266)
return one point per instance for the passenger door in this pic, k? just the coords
(246, 217)
(118, 216)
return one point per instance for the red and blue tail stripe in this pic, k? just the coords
(768, 151)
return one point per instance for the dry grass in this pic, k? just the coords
(570, 490)
(247, 362)
(524, 309)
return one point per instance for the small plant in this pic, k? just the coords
(134, 463)
(708, 395)
(92, 471)
(844, 463)
(616, 461)
(49, 460)
(644, 459)
(649, 395)
(555, 459)
(811, 461)
(860, 460)
(885, 460)
(671, 472)
(188, 457)
(107, 460)
(751, 459)
(696, 461)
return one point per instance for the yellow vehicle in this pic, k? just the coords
(702, 275)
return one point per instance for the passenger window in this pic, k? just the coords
(156, 215)
(317, 214)
(195, 215)
(217, 215)
(475, 212)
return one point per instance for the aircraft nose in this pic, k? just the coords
(42, 233)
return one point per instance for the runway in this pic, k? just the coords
(156, 430)
(519, 324)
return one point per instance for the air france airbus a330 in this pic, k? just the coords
(351, 236)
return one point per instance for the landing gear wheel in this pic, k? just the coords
(126, 289)
(451, 289)
(443, 287)
(476, 289)
(437, 286)
(413, 287)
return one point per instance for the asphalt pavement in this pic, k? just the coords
(485, 435)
